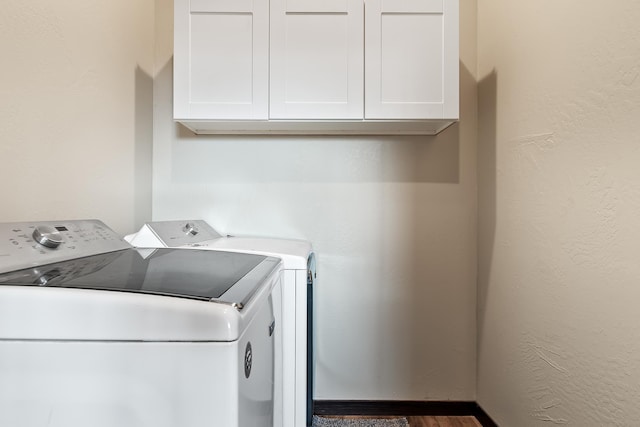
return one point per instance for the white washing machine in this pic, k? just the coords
(294, 396)
(96, 333)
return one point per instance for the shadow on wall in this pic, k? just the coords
(286, 158)
(299, 158)
(435, 272)
(487, 190)
(143, 148)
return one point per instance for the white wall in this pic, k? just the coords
(393, 221)
(559, 161)
(76, 86)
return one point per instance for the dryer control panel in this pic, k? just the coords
(171, 234)
(30, 244)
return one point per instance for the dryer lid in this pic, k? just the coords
(194, 274)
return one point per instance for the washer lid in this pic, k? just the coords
(203, 275)
(294, 253)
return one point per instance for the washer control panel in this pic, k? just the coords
(29, 244)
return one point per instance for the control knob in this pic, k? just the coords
(190, 228)
(47, 236)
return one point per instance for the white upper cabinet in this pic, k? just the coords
(221, 60)
(316, 59)
(316, 66)
(411, 66)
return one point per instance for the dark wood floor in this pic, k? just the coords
(443, 422)
(423, 421)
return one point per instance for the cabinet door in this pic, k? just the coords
(316, 59)
(411, 65)
(221, 59)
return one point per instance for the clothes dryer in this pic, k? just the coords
(96, 333)
(295, 365)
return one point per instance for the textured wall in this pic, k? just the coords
(559, 196)
(393, 221)
(76, 87)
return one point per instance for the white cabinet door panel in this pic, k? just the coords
(221, 59)
(316, 66)
(316, 59)
(411, 63)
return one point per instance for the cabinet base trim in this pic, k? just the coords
(279, 127)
